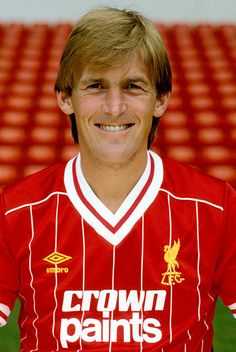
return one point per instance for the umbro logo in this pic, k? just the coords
(56, 258)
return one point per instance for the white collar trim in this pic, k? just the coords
(113, 227)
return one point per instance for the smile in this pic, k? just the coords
(114, 128)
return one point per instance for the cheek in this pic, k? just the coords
(83, 114)
(83, 105)
(89, 103)
(144, 106)
(146, 115)
(148, 120)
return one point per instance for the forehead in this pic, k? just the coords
(121, 70)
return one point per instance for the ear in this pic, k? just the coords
(161, 104)
(64, 103)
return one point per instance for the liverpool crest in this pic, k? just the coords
(172, 276)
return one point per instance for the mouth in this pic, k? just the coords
(114, 128)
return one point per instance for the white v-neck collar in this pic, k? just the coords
(113, 227)
(97, 204)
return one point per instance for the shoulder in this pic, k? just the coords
(35, 187)
(188, 182)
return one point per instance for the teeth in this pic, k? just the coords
(113, 128)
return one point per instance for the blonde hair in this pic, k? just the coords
(108, 36)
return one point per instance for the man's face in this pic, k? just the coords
(114, 108)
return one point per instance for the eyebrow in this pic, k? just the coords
(90, 80)
(136, 79)
(132, 79)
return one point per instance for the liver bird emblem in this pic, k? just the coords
(170, 256)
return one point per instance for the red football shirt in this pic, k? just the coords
(143, 279)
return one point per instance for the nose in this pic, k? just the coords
(114, 104)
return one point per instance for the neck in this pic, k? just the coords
(113, 182)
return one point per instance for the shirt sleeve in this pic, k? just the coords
(8, 272)
(226, 268)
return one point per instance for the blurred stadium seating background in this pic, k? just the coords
(199, 127)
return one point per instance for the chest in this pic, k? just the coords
(171, 242)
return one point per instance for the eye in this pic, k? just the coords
(95, 85)
(133, 86)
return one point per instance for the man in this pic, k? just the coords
(117, 250)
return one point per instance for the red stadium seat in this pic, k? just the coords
(199, 127)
